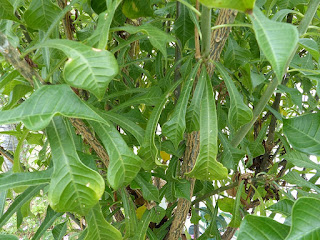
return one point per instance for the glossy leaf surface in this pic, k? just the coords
(207, 167)
(50, 101)
(41, 14)
(99, 228)
(124, 165)
(303, 133)
(262, 228)
(74, 187)
(276, 40)
(87, 68)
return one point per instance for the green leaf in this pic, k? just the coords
(24, 197)
(126, 124)
(41, 14)
(104, 21)
(294, 178)
(148, 151)
(239, 113)
(183, 26)
(59, 231)
(8, 237)
(236, 217)
(303, 133)
(305, 219)
(124, 165)
(157, 37)
(74, 187)
(18, 92)
(87, 68)
(231, 155)
(311, 46)
(300, 160)
(175, 127)
(226, 204)
(283, 206)
(182, 189)
(98, 6)
(241, 5)
(7, 11)
(235, 55)
(193, 111)
(206, 166)
(262, 228)
(137, 8)
(51, 216)
(99, 228)
(276, 40)
(149, 191)
(131, 221)
(14, 180)
(50, 101)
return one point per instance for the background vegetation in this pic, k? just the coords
(135, 112)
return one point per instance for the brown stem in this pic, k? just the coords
(67, 22)
(5, 153)
(218, 39)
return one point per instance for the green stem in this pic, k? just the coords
(305, 22)
(192, 8)
(302, 28)
(232, 25)
(206, 31)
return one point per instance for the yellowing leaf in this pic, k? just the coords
(165, 156)
(140, 211)
(241, 5)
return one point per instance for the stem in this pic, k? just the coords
(192, 8)
(242, 132)
(232, 25)
(206, 31)
(305, 22)
(215, 191)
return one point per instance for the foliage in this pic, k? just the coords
(129, 103)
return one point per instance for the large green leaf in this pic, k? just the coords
(300, 160)
(7, 11)
(148, 151)
(311, 46)
(157, 37)
(99, 228)
(305, 219)
(262, 228)
(175, 127)
(51, 216)
(87, 68)
(241, 5)
(277, 41)
(124, 165)
(14, 180)
(8, 237)
(206, 166)
(183, 26)
(239, 113)
(74, 187)
(303, 133)
(41, 14)
(37, 111)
